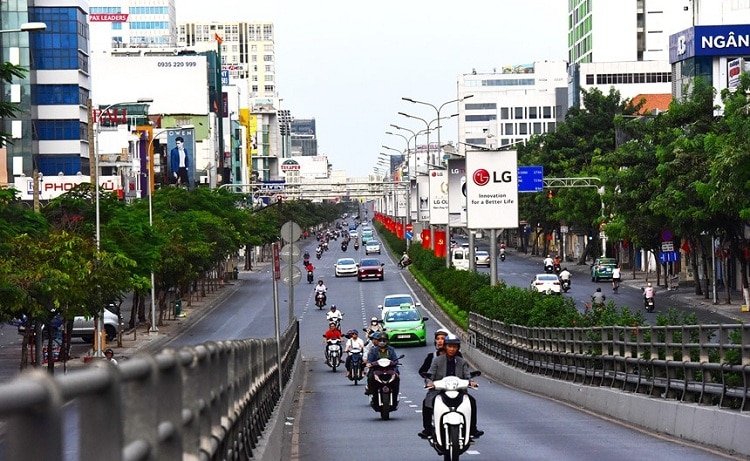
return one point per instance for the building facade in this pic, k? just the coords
(304, 141)
(132, 24)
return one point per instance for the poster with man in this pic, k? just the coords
(181, 158)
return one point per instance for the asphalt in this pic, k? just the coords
(140, 339)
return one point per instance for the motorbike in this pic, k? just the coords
(502, 256)
(318, 254)
(325, 246)
(320, 299)
(549, 268)
(310, 275)
(356, 373)
(402, 265)
(649, 304)
(384, 384)
(565, 285)
(336, 320)
(356, 246)
(343, 246)
(451, 417)
(557, 268)
(333, 353)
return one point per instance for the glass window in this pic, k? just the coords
(518, 113)
(537, 128)
(533, 112)
(504, 113)
(523, 128)
(546, 112)
(508, 131)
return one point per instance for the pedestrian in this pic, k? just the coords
(110, 355)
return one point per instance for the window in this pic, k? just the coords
(53, 130)
(504, 113)
(533, 112)
(518, 113)
(476, 141)
(523, 129)
(546, 112)
(537, 128)
(481, 106)
(481, 118)
(508, 130)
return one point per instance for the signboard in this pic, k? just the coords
(276, 262)
(714, 40)
(492, 189)
(530, 178)
(101, 17)
(423, 198)
(290, 165)
(438, 196)
(409, 231)
(181, 158)
(224, 77)
(54, 186)
(457, 192)
(669, 256)
(667, 247)
(401, 204)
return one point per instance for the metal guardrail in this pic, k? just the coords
(704, 364)
(206, 402)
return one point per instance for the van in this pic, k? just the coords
(460, 258)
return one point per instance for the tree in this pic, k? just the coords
(9, 110)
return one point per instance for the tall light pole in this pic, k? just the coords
(440, 149)
(31, 27)
(99, 323)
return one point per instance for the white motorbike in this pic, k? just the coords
(333, 353)
(452, 417)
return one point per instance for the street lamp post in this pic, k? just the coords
(440, 150)
(100, 322)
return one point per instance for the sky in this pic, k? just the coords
(347, 64)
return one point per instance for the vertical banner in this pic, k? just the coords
(181, 159)
(440, 244)
(401, 198)
(413, 201)
(423, 198)
(457, 192)
(438, 197)
(492, 189)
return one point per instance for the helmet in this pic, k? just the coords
(452, 339)
(442, 331)
(333, 307)
(332, 324)
(374, 320)
(353, 332)
(109, 351)
(649, 283)
(598, 290)
(549, 256)
(320, 282)
(383, 340)
(375, 336)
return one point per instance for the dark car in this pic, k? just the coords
(370, 268)
(602, 269)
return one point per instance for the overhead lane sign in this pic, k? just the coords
(530, 179)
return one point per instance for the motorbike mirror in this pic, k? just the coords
(401, 356)
(474, 374)
(380, 306)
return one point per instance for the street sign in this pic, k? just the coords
(290, 253)
(410, 227)
(667, 247)
(669, 256)
(530, 179)
(409, 235)
(276, 262)
(291, 275)
(290, 231)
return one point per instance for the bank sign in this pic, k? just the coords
(724, 40)
(492, 189)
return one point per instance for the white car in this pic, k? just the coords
(395, 301)
(372, 246)
(482, 258)
(345, 267)
(546, 283)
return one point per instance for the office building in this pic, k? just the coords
(304, 142)
(51, 131)
(132, 24)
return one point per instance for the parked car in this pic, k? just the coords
(394, 301)
(602, 269)
(372, 246)
(546, 283)
(482, 258)
(83, 327)
(370, 268)
(405, 325)
(345, 267)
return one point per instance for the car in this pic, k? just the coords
(602, 269)
(394, 301)
(460, 258)
(546, 283)
(345, 267)
(370, 268)
(353, 233)
(372, 246)
(83, 327)
(405, 325)
(482, 258)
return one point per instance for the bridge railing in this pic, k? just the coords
(211, 401)
(704, 364)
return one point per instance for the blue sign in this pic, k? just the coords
(224, 77)
(669, 256)
(409, 235)
(721, 40)
(530, 179)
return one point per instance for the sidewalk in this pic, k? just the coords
(685, 293)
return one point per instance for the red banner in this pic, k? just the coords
(426, 239)
(440, 247)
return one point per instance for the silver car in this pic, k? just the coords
(482, 258)
(372, 246)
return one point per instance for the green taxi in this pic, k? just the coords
(405, 325)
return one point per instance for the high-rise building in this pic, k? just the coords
(304, 142)
(51, 131)
(247, 52)
(132, 24)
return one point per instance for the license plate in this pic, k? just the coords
(403, 336)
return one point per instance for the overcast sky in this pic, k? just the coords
(348, 63)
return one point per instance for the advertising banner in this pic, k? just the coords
(181, 159)
(54, 186)
(492, 189)
(423, 198)
(401, 204)
(414, 201)
(438, 197)
(457, 192)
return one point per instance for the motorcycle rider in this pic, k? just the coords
(382, 351)
(331, 333)
(374, 326)
(335, 316)
(405, 260)
(648, 293)
(321, 288)
(616, 275)
(440, 335)
(565, 274)
(448, 364)
(306, 258)
(598, 299)
(353, 342)
(548, 262)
